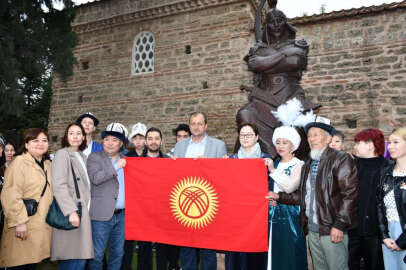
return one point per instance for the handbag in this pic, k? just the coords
(55, 217)
(32, 205)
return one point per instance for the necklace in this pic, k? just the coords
(400, 170)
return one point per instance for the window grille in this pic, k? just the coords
(143, 53)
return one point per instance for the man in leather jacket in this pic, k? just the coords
(328, 195)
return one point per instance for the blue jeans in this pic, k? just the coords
(393, 260)
(112, 231)
(73, 264)
(188, 258)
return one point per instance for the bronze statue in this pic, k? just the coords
(277, 60)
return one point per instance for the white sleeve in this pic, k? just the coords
(285, 182)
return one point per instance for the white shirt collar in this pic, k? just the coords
(202, 142)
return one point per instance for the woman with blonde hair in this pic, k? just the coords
(392, 203)
(26, 237)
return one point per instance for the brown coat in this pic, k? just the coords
(77, 243)
(336, 192)
(25, 179)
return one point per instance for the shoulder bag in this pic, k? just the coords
(32, 205)
(55, 217)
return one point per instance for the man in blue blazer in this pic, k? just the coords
(199, 145)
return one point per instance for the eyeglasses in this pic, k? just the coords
(247, 136)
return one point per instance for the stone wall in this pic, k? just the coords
(208, 79)
(356, 70)
(102, 9)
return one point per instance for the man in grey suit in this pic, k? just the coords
(106, 175)
(199, 145)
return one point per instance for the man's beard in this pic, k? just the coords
(316, 154)
(153, 150)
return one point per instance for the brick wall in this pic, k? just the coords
(356, 70)
(102, 9)
(208, 79)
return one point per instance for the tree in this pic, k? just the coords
(36, 39)
(33, 115)
(323, 9)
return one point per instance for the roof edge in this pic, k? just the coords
(347, 13)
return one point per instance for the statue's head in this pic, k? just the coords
(277, 26)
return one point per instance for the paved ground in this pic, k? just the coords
(48, 265)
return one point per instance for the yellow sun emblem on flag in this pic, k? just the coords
(194, 202)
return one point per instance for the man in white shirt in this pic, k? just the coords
(199, 145)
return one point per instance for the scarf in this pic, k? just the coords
(255, 152)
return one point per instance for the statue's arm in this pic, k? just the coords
(296, 57)
(289, 64)
(258, 15)
(258, 63)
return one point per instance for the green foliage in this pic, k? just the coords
(36, 40)
(33, 115)
(323, 8)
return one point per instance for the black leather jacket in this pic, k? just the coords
(386, 184)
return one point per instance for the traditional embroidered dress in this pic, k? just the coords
(287, 244)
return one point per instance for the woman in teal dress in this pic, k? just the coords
(287, 244)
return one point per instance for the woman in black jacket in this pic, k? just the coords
(392, 203)
(364, 240)
(2, 154)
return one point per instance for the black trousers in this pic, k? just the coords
(128, 255)
(23, 267)
(253, 261)
(173, 257)
(144, 261)
(233, 260)
(370, 249)
(165, 254)
(167, 257)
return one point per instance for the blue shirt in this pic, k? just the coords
(120, 203)
(195, 150)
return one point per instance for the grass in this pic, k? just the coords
(48, 265)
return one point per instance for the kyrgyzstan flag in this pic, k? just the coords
(204, 203)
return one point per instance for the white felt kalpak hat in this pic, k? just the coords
(289, 133)
(138, 128)
(117, 130)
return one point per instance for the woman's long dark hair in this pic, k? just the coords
(2, 158)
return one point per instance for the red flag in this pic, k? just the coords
(205, 203)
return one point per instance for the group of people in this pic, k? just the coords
(352, 207)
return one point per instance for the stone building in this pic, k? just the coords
(156, 61)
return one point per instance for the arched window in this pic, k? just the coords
(143, 53)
